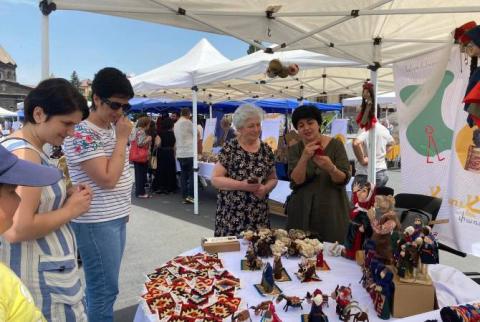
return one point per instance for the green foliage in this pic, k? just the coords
(74, 80)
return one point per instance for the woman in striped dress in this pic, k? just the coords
(40, 247)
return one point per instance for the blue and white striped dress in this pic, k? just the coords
(48, 265)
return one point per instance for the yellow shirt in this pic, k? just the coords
(16, 303)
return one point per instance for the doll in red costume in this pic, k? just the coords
(366, 118)
(359, 229)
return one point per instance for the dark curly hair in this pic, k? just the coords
(109, 82)
(306, 112)
(56, 96)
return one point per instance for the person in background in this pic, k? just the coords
(166, 174)
(384, 141)
(175, 116)
(244, 176)
(98, 154)
(228, 132)
(319, 171)
(184, 152)
(143, 141)
(152, 133)
(40, 246)
(16, 302)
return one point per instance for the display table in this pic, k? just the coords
(452, 287)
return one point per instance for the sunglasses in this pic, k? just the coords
(115, 105)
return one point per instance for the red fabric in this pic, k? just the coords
(357, 245)
(367, 126)
(474, 95)
(460, 32)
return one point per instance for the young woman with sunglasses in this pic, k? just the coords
(98, 154)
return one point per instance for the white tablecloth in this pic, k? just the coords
(452, 287)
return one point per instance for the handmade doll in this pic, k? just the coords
(359, 229)
(461, 313)
(276, 68)
(277, 267)
(316, 312)
(253, 262)
(384, 289)
(468, 36)
(366, 118)
(386, 229)
(428, 251)
(267, 279)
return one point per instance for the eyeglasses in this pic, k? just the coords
(115, 105)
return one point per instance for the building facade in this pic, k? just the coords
(11, 92)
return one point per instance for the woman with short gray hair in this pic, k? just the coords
(244, 176)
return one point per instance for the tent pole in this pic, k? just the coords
(210, 109)
(372, 171)
(45, 43)
(195, 151)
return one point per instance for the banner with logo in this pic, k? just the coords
(435, 142)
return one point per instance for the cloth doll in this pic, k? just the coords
(468, 36)
(276, 68)
(384, 288)
(385, 229)
(267, 279)
(359, 227)
(366, 119)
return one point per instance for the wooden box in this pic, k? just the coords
(221, 244)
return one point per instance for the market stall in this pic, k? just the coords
(451, 287)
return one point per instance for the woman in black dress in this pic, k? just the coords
(244, 176)
(166, 174)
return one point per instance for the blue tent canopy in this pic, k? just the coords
(269, 105)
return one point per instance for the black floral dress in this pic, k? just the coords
(241, 210)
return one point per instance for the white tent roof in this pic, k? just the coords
(257, 63)
(179, 73)
(346, 29)
(382, 99)
(6, 113)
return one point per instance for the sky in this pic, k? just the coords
(87, 42)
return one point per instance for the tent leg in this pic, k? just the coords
(45, 47)
(372, 142)
(195, 151)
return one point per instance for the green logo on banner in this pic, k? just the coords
(427, 133)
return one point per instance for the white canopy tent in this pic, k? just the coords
(371, 32)
(6, 113)
(382, 99)
(179, 73)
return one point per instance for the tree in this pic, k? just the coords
(252, 49)
(74, 80)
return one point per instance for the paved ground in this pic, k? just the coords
(163, 227)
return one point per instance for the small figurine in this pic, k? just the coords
(270, 315)
(267, 285)
(277, 267)
(262, 246)
(260, 308)
(279, 247)
(359, 229)
(276, 68)
(252, 262)
(242, 316)
(293, 249)
(307, 272)
(343, 297)
(318, 294)
(292, 301)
